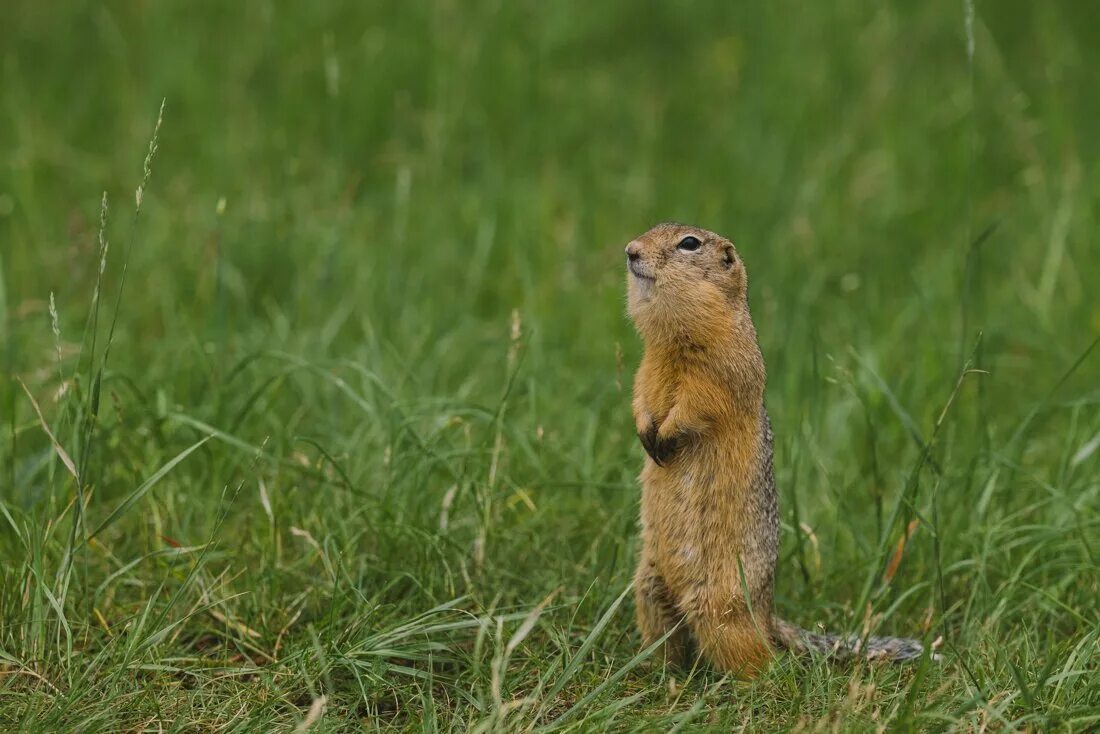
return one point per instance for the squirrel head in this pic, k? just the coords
(684, 283)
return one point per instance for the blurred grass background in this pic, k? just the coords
(379, 259)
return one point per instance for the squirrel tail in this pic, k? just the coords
(797, 640)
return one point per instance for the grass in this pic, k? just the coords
(353, 439)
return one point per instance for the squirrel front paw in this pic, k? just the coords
(648, 437)
(661, 450)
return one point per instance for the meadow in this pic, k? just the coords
(315, 404)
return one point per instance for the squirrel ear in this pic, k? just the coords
(728, 258)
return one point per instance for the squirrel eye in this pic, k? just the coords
(690, 244)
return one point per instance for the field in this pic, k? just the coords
(315, 414)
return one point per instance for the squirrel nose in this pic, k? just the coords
(633, 251)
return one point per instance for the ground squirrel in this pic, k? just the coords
(709, 515)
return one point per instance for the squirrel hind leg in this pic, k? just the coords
(733, 645)
(729, 635)
(657, 615)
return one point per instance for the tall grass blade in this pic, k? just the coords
(132, 498)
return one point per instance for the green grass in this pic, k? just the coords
(362, 439)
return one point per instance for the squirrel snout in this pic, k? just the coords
(633, 251)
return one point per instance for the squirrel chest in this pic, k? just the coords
(696, 506)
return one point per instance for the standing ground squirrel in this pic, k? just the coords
(710, 521)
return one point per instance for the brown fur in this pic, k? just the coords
(710, 523)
